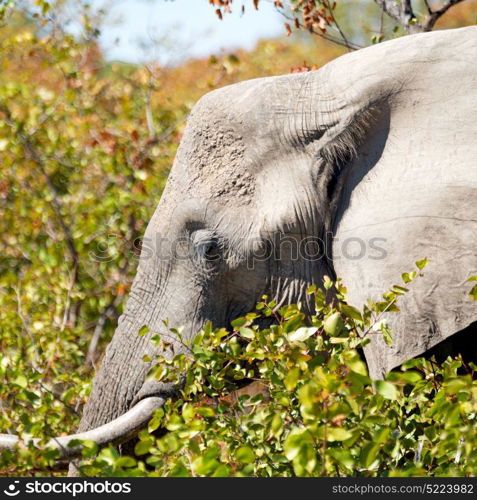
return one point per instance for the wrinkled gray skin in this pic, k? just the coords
(380, 143)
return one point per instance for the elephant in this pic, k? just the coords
(372, 158)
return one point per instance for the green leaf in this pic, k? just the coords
(22, 381)
(343, 458)
(338, 340)
(368, 454)
(276, 424)
(294, 322)
(386, 389)
(291, 379)
(408, 277)
(327, 283)
(351, 312)
(125, 462)
(387, 336)
(245, 455)
(384, 329)
(144, 445)
(156, 420)
(333, 324)
(88, 448)
(337, 434)
(421, 264)
(409, 377)
(205, 411)
(239, 322)
(247, 333)
(382, 435)
(400, 290)
(301, 334)
(143, 331)
(297, 442)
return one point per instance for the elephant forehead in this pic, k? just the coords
(229, 135)
(216, 162)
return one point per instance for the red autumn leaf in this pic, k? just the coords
(134, 135)
(304, 68)
(322, 23)
(121, 290)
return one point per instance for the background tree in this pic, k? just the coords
(354, 24)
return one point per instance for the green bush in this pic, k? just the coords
(316, 412)
(312, 410)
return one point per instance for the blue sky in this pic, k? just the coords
(179, 29)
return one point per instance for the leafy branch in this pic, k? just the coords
(318, 16)
(402, 12)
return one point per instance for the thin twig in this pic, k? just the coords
(111, 308)
(325, 36)
(28, 332)
(431, 20)
(149, 116)
(379, 316)
(58, 398)
(428, 7)
(401, 12)
(56, 202)
(381, 26)
(67, 311)
(343, 36)
(98, 331)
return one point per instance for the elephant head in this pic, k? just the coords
(354, 171)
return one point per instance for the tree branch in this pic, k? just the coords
(344, 42)
(55, 198)
(55, 201)
(98, 331)
(401, 11)
(111, 310)
(428, 7)
(431, 20)
(338, 27)
(35, 363)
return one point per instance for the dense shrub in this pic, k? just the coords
(311, 408)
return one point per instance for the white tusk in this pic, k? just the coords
(117, 431)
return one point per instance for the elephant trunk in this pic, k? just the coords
(122, 381)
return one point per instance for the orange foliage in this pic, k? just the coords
(186, 83)
(462, 14)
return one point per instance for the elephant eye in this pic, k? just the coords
(206, 246)
(211, 251)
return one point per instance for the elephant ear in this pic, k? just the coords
(409, 191)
